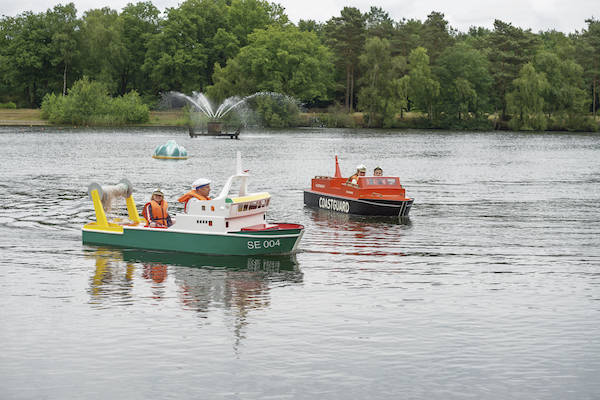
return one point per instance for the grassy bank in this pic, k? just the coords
(22, 117)
(167, 118)
(33, 117)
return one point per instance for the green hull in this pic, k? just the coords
(242, 243)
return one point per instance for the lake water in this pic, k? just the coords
(491, 290)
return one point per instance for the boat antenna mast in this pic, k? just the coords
(338, 174)
(239, 174)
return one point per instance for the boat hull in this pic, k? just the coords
(357, 206)
(237, 243)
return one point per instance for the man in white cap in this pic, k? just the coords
(361, 170)
(200, 191)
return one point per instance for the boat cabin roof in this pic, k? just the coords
(365, 181)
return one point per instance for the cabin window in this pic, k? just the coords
(226, 224)
(246, 207)
(203, 208)
(253, 205)
(381, 181)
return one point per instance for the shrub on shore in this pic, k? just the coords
(88, 103)
(10, 105)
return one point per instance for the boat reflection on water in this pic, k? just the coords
(232, 286)
(265, 263)
(240, 281)
(338, 233)
(335, 219)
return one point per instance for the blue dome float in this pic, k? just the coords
(170, 151)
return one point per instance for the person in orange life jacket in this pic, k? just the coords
(155, 211)
(378, 171)
(361, 170)
(200, 191)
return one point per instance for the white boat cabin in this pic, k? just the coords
(229, 211)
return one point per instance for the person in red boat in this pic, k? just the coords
(155, 211)
(378, 171)
(200, 191)
(361, 170)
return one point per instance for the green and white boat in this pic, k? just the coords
(226, 225)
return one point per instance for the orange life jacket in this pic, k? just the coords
(158, 211)
(188, 196)
(352, 178)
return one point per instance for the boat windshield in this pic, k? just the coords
(377, 181)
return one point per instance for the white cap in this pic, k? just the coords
(361, 167)
(200, 182)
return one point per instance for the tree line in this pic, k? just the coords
(356, 61)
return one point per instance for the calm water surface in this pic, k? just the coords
(491, 290)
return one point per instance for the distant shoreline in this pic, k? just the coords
(26, 117)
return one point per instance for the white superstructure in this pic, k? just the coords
(227, 212)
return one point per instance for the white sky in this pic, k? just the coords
(564, 16)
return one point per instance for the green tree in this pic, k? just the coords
(178, 57)
(589, 58)
(379, 24)
(465, 96)
(565, 92)
(64, 45)
(245, 16)
(27, 57)
(407, 37)
(346, 36)
(138, 23)
(104, 53)
(424, 88)
(278, 59)
(509, 49)
(200, 34)
(36, 53)
(381, 93)
(557, 42)
(310, 25)
(526, 101)
(436, 35)
(476, 37)
(465, 81)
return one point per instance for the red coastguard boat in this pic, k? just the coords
(372, 195)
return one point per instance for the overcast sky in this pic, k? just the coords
(564, 16)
